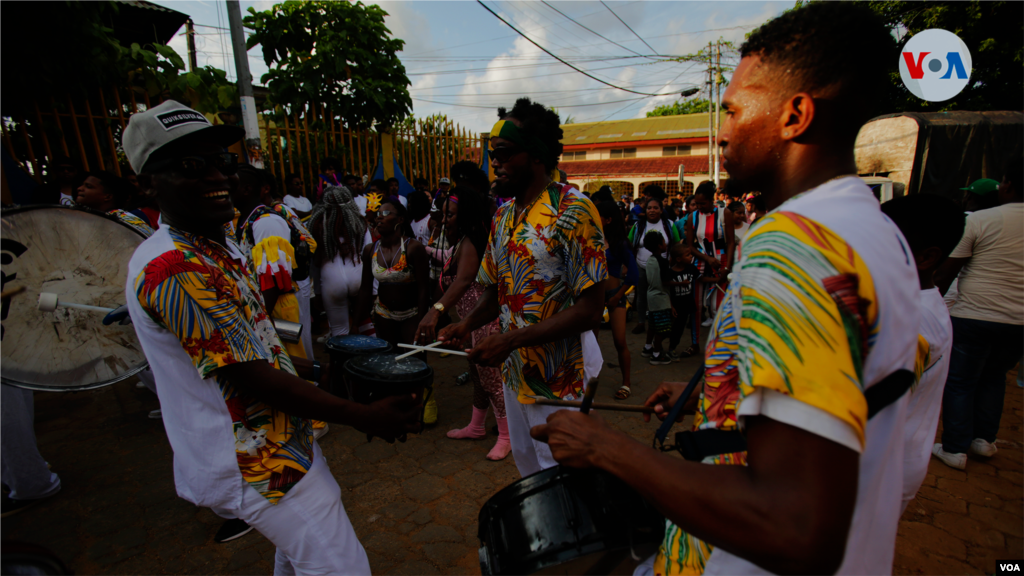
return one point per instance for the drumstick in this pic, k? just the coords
(48, 302)
(438, 343)
(595, 405)
(588, 396)
(428, 349)
(12, 292)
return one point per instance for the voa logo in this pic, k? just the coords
(1005, 567)
(935, 65)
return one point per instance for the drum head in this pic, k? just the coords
(82, 256)
(355, 344)
(385, 367)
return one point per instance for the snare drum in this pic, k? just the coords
(344, 348)
(567, 521)
(381, 375)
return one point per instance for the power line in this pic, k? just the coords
(557, 106)
(531, 77)
(588, 75)
(544, 2)
(627, 26)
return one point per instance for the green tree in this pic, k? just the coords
(336, 54)
(69, 49)
(695, 106)
(992, 31)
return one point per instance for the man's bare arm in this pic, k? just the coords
(788, 510)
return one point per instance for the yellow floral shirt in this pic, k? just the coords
(541, 263)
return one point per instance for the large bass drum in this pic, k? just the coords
(567, 521)
(82, 256)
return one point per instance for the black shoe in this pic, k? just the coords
(647, 352)
(660, 359)
(231, 529)
(10, 506)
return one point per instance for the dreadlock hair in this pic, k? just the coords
(337, 201)
(838, 51)
(542, 122)
(468, 173)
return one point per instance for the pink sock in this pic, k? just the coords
(503, 446)
(475, 430)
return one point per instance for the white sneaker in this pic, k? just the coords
(140, 384)
(156, 414)
(958, 461)
(983, 448)
(319, 433)
(707, 322)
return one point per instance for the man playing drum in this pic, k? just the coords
(542, 271)
(235, 412)
(813, 349)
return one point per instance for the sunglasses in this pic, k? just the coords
(505, 153)
(194, 167)
(383, 213)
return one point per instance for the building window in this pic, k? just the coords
(675, 151)
(624, 153)
(687, 188)
(581, 155)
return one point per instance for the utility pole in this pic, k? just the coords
(190, 38)
(718, 108)
(252, 129)
(711, 124)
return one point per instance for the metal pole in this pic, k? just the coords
(711, 124)
(718, 107)
(252, 129)
(190, 38)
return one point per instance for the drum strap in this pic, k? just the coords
(696, 445)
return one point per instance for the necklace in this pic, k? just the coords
(394, 255)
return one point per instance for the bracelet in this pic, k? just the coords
(316, 370)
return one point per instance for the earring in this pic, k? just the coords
(785, 134)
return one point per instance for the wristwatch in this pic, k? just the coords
(439, 307)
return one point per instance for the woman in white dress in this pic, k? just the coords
(340, 230)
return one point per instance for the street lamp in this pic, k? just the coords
(689, 92)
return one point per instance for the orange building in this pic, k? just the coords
(630, 154)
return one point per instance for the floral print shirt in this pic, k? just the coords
(541, 262)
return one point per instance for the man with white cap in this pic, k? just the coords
(235, 411)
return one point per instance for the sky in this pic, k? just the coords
(463, 62)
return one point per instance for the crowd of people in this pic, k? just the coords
(828, 357)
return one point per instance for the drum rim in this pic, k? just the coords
(102, 384)
(335, 348)
(30, 207)
(351, 368)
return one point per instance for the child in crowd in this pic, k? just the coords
(683, 274)
(329, 168)
(659, 306)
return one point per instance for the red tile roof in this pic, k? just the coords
(636, 166)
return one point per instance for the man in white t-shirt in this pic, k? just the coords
(236, 411)
(933, 226)
(988, 322)
(296, 196)
(813, 349)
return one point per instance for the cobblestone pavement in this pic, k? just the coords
(415, 505)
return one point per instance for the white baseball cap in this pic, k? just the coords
(445, 181)
(149, 131)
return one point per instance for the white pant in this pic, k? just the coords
(147, 378)
(304, 293)
(532, 456)
(22, 468)
(308, 525)
(339, 286)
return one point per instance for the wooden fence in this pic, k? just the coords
(89, 130)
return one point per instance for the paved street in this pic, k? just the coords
(415, 505)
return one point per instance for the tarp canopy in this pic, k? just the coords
(956, 148)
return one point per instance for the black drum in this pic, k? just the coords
(567, 521)
(344, 348)
(381, 375)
